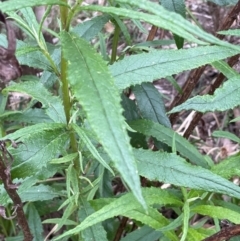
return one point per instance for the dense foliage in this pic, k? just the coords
(87, 161)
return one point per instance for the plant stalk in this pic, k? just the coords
(65, 90)
(115, 43)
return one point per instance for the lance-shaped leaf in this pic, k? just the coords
(35, 89)
(151, 104)
(153, 219)
(38, 145)
(122, 205)
(89, 29)
(227, 168)
(35, 223)
(227, 135)
(17, 4)
(177, 6)
(94, 88)
(162, 18)
(225, 98)
(91, 147)
(218, 212)
(31, 116)
(167, 135)
(170, 168)
(30, 193)
(142, 234)
(32, 56)
(225, 69)
(224, 2)
(147, 67)
(94, 233)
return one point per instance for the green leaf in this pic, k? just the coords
(194, 235)
(25, 184)
(32, 57)
(142, 234)
(124, 204)
(166, 135)
(91, 147)
(52, 104)
(174, 83)
(130, 108)
(93, 87)
(224, 2)
(170, 168)
(31, 116)
(95, 232)
(64, 159)
(26, 190)
(72, 183)
(226, 134)
(162, 18)
(227, 204)
(39, 193)
(173, 225)
(217, 212)
(38, 145)
(234, 32)
(235, 119)
(57, 220)
(68, 211)
(150, 103)
(89, 29)
(147, 67)
(177, 6)
(16, 238)
(35, 223)
(227, 168)
(225, 69)
(153, 219)
(186, 216)
(17, 4)
(30, 19)
(103, 47)
(155, 43)
(225, 98)
(123, 29)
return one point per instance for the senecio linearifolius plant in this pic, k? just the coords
(76, 160)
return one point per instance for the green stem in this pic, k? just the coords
(115, 43)
(54, 67)
(186, 215)
(65, 90)
(3, 228)
(64, 17)
(67, 106)
(73, 11)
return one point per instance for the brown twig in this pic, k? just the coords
(196, 74)
(187, 89)
(225, 234)
(152, 33)
(120, 229)
(11, 189)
